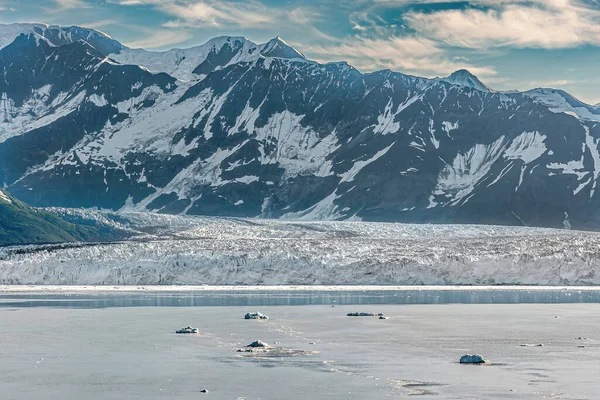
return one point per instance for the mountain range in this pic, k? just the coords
(234, 128)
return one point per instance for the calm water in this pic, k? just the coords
(299, 298)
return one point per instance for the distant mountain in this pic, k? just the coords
(22, 224)
(235, 128)
(464, 78)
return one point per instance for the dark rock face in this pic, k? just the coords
(264, 132)
(219, 57)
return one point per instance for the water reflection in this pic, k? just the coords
(297, 298)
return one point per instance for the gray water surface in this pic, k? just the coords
(255, 298)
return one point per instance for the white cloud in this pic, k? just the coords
(231, 15)
(410, 54)
(160, 38)
(214, 13)
(536, 24)
(101, 23)
(68, 4)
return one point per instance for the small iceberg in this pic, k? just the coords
(361, 314)
(256, 346)
(187, 329)
(259, 348)
(473, 359)
(255, 315)
(258, 343)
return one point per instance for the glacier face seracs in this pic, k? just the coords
(235, 128)
(209, 250)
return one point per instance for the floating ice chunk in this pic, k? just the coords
(473, 359)
(361, 314)
(257, 344)
(255, 315)
(187, 329)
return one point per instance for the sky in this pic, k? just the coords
(508, 44)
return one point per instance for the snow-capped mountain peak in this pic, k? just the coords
(218, 42)
(463, 77)
(9, 32)
(559, 101)
(277, 47)
(58, 35)
(193, 63)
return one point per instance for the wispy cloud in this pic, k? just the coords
(198, 14)
(101, 23)
(231, 15)
(68, 4)
(408, 54)
(5, 7)
(546, 24)
(155, 39)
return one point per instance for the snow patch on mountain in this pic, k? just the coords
(35, 111)
(449, 126)
(359, 165)
(559, 101)
(324, 210)
(298, 149)
(98, 100)
(592, 145)
(4, 197)
(572, 167)
(146, 129)
(457, 180)
(386, 122)
(528, 147)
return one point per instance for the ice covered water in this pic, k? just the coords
(133, 353)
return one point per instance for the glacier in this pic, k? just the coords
(186, 250)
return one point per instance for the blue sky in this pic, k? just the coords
(509, 44)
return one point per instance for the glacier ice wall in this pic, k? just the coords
(176, 250)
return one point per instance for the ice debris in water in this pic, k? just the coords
(258, 343)
(473, 359)
(366, 314)
(361, 314)
(256, 315)
(187, 329)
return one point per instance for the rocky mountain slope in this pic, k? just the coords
(239, 129)
(22, 224)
